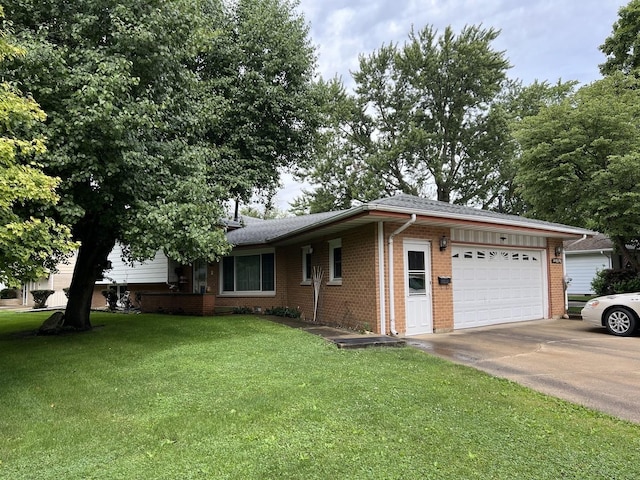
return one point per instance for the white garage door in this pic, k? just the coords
(497, 285)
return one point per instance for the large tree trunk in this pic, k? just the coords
(629, 257)
(90, 263)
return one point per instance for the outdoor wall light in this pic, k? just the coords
(443, 243)
(558, 250)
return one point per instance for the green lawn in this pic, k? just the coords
(238, 397)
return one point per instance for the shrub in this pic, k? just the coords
(8, 293)
(283, 312)
(112, 298)
(40, 297)
(242, 310)
(610, 281)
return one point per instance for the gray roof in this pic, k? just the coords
(264, 231)
(446, 213)
(598, 243)
(410, 202)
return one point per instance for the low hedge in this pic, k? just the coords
(8, 293)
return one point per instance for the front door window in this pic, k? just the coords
(416, 272)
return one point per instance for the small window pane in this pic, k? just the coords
(248, 273)
(417, 284)
(227, 274)
(416, 260)
(337, 262)
(268, 272)
(307, 266)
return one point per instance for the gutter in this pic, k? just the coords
(513, 221)
(392, 303)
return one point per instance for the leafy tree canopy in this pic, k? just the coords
(622, 47)
(423, 120)
(158, 112)
(581, 159)
(31, 244)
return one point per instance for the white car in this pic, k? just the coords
(620, 313)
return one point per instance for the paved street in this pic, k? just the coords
(568, 359)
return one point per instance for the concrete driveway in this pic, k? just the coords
(565, 358)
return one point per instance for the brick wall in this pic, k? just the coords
(178, 303)
(353, 303)
(98, 300)
(556, 280)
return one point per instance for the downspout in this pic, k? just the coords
(392, 303)
(383, 301)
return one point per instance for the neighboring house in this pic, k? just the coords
(155, 275)
(401, 265)
(584, 258)
(57, 282)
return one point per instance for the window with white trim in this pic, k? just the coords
(306, 264)
(335, 261)
(248, 273)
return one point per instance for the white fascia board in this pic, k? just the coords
(480, 219)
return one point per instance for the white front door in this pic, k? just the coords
(417, 287)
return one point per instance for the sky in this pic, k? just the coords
(543, 39)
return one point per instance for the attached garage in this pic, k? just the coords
(493, 285)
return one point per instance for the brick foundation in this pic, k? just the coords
(178, 303)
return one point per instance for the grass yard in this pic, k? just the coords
(238, 397)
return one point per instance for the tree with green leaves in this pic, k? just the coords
(158, 113)
(520, 102)
(581, 160)
(423, 120)
(31, 243)
(622, 47)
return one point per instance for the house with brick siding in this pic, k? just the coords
(400, 265)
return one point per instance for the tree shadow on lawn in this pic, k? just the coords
(121, 338)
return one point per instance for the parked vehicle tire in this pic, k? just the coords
(620, 321)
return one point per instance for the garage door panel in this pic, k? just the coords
(495, 285)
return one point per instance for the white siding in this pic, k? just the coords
(581, 268)
(57, 282)
(155, 270)
(497, 238)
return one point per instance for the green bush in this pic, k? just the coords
(283, 312)
(112, 298)
(8, 293)
(40, 297)
(242, 310)
(610, 281)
